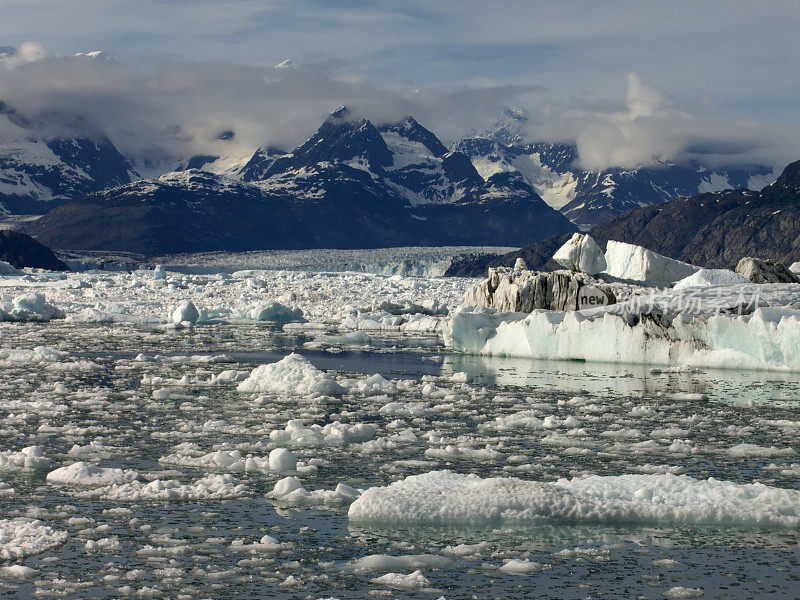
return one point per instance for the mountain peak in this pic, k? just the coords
(340, 114)
(789, 180)
(410, 129)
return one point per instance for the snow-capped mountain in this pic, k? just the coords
(352, 184)
(37, 174)
(591, 197)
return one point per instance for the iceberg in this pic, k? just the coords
(709, 277)
(275, 312)
(627, 261)
(444, 498)
(582, 254)
(292, 375)
(185, 312)
(29, 307)
(767, 339)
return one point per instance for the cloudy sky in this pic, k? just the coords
(633, 82)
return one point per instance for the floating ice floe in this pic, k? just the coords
(352, 338)
(210, 487)
(443, 498)
(282, 460)
(386, 562)
(289, 491)
(22, 356)
(401, 581)
(29, 307)
(766, 339)
(266, 545)
(293, 375)
(31, 457)
(274, 312)
(188, 454)
(522, 567)
(628, 261)
(25, 537)
(331, 434)
(85, 474)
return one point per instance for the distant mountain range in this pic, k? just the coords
(395, 183)
(713, 230)
(352, 184)
(591, 197)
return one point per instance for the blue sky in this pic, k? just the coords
(727, 59)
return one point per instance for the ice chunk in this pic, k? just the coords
(17, 572)
(387, 562)
(581, 253)
(683, 593)
(522, 567)
(709, 277)
(628, 261)
(84, 474)
(24, 537)
(332, 434)
(443, 498)
(29, 307)
(289, 491)
(375, 385)
(274, 312)
(186, 311)
(281, 460)
(292, 375)
(210, 487)
(159, 272)
(412, 581)
(31, 457)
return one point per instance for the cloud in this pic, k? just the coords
(650, 128)
(158, 112)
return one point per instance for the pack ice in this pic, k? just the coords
(444, 498)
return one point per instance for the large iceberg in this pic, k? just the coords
(766, 339)
(628, 261)
(444, 498)
(582, 254)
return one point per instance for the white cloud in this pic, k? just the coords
(650, 128)
(160, 111)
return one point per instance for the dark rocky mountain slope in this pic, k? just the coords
(711, 230)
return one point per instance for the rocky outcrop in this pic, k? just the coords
(765, 271)
(22, 251)
(519, 290)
